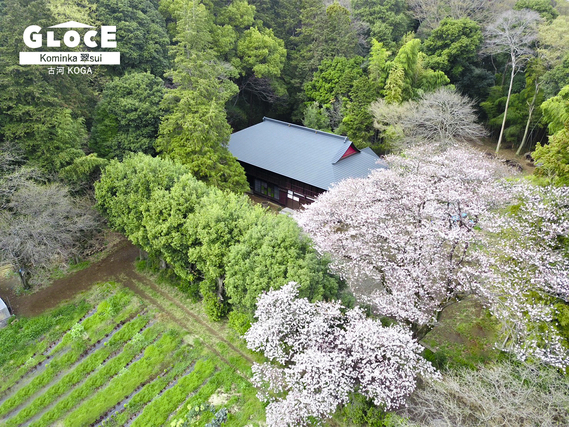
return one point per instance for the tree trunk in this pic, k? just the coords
(220, 288)
(531, 108)
(22, 273)
(507, 103)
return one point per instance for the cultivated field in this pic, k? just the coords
(111, 358)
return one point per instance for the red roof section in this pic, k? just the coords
(351, 150)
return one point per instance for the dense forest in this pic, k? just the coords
(342, 296)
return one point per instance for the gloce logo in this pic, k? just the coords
(71, 39)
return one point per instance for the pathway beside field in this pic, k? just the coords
(117, 266)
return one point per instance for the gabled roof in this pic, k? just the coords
(306, 155)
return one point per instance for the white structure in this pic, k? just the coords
(4, 313)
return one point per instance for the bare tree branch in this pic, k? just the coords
(43, 225)
(513, 32)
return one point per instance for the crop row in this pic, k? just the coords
(242, 393)
(103, 316)
(182, 359)
(24, 340)
(80, 372)
(90, 328)
(79, 350)
(122, 385)
(91, 386)
(158, 411)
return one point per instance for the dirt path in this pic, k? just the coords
(488, 146)
(117, 266)
(132, 274)
(108, 268)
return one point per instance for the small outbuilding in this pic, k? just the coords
(292, 164)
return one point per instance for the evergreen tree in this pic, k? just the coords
(128, 115)
(195, 131)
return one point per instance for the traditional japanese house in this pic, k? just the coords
(292, 164)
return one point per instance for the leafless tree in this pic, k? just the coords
(43, 225)
(430, 13)
(444, 117)
(262, 88)
(501, 395)
(11, 157)
(514, 33)
(13, 181)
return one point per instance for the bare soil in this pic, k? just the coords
(488, 146)
(118, 261)
(117, 266)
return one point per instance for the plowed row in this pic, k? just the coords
(111, 358)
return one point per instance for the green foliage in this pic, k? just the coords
(240, 322)
(272, 253)
(361, 411)
(453, 46)
(316, 117)
(495, 105)
(556, 111)
(409, 76)
(262, 52)
(213, 306)
(543, 7)
(553, 49)
(53, 141)
(342, 94)
(43, 114)
(195, 131)
(125, 189)
(128, 115)
(389, 20)
(141, 34)
(358, 121)
(378, 63)
(552, 159)
(202, 233)
(84, 171)
(321, 34)
(334, 79)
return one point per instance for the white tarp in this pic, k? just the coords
(4, 312)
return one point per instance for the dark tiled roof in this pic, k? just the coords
(301, 153)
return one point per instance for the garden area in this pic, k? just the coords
(109, 358)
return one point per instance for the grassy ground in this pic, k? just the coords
(113, 358)
(464, 336)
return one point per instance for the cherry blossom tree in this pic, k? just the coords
(322, 354)
(402, 236)
(423, 234)
(523, 267)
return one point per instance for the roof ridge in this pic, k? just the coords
(344, 138)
